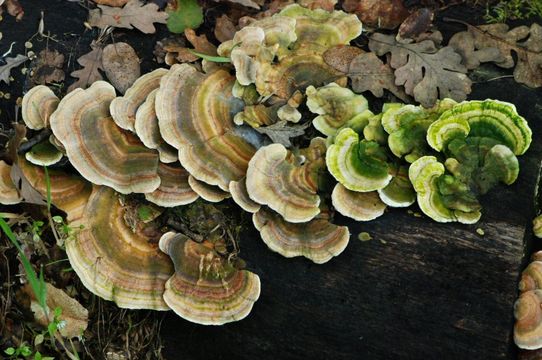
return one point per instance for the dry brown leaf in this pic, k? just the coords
(383, 14)
(426, 72)
(121, 65)
(369, 73)
(463, 43)
(92, 64)
(176, 51)
(328, 5)
(248, 3)
(200, 43)
(48, 67)
(133, 15)
(115, 3)
(416, 23)
(224, 28)
(11, 62)
(340, 57)
(525, 42)
(74, 316)
(14, 8)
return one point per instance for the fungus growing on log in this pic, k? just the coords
(399, 192)
(528, 326)
(318, 240)
(207, 192)
(239, 194)
(37, 106)
(174, 189)
(123, 109)
(43, 154)
(114, 262)
(207, 288)
(360, 206)
(97, 148)
(531, 277)
(9, 194)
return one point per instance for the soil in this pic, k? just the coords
(417, 290)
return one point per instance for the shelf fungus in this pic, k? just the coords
(335, 105)
(123, 109)
(360, 206)
(174, 189)
(528, 327)
(207, 192)
(239, 194)
(195, 115)
(399, 192)
(318, 240)
(9, 195)
(358, 165)
(287, 183)
(97, 148)
(207, 288)
(37, 106)
(115, 262)
(531, 277)
(489, 118)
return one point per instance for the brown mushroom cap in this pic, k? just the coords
(9, 194)
(531, 278)
(360, 206)
(239, 194)
(174, 189)
(37, 106)
(207, 192)
(207, 288)
(97, 148)
(115, 262)
(528, 313)
(318, 240)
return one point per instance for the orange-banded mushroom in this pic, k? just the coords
(528, 314)
(37, 106)
(239, 194)
(207, 192)
(531, 277)
(207, 288)
(115, 262)
(146, 128)
(360, 206)
(174, 189)
(318, 240)
(97, 148)
(195, 114)
(276, 178)
(123, 109)
(9, 194)
(69, 193)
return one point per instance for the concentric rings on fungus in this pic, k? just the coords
(360, 206)
(174, 189)
(9, 194)
(318, 240)
(97, 148)
(528, 314)
(37, 106)
(115, 262)
(206, 287)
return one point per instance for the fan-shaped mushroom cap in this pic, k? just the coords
(37, 106)
(207, 192)
(318, 240)
(531, 277)
(115, 262)
(174, 189)
(358, 165)
(360, 206)
(207, 288)
(123, 109)
(335, 106)
(407, 128)
(43, 154)
(528, 327)
(239, 193)
(399, 192)
(489, 118)
(537, 228)
(195, 114)
(424, 174)
(8, 191)
(274, 179)
(146, 128)
(69, 192)
(97, 148)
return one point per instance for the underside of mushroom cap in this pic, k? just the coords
(37, 106)
(207, 288)
(528, 314)
(239, 194)
(174, 189)
(277, 179)
(195, 113)
(115, 262)
(43, 154)
(99, 150)
(123, 109)
(360, 206)
(318, 240)
(207, 192)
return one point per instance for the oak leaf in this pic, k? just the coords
(11, 62)
(48, 67)
(280, 132)
(92, 64)
(426, 72)
(121, 65)
(133, 15)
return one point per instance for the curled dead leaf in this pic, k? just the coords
(48, 67)
(418, 22)
(340, 57)
(382, 14)
(224, 28)
(121, 65)
(92, 64)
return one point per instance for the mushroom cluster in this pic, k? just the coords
(216, 131)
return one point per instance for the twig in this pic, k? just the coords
(26, 146)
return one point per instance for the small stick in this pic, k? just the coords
(26, 146)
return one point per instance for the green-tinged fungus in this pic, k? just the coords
(399, 192)
(360, 206)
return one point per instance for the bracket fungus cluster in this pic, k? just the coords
(528, 307)
(181, 134)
